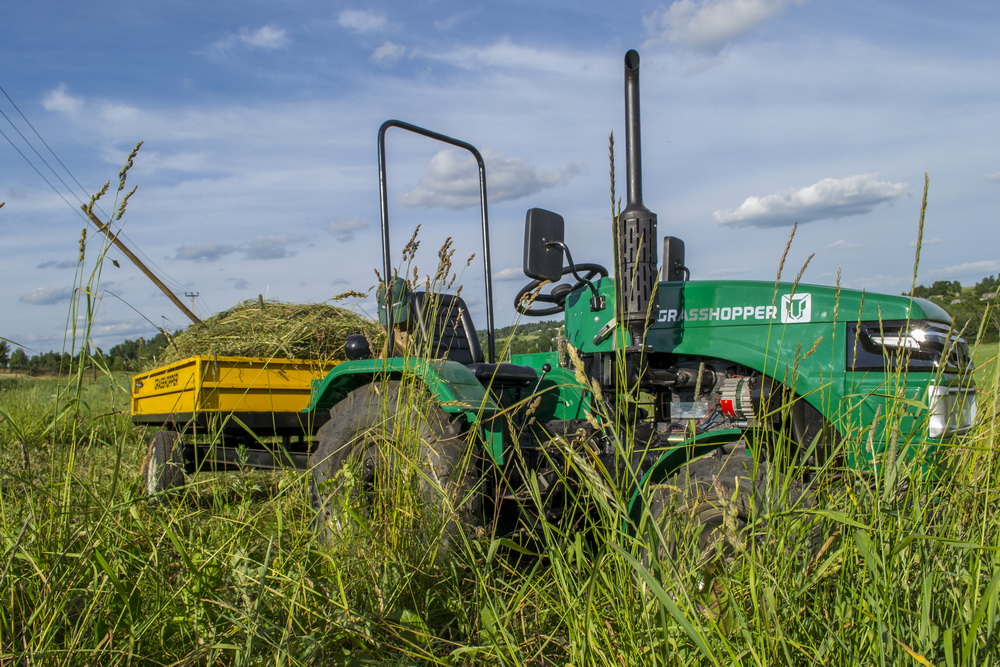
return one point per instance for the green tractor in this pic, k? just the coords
(663, 377)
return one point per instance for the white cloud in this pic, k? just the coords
(979, 268)
(450, 22)
(181, 161)
(452, 181)
(830, 198)
(362, 21)
(261, 247)
(843, 245)
(992, 177)
(505, 54)
(726, 272)
(61, 101)
(46, 296)
(119, 114)
(266, 38)
(388, 54)
(203, 252)
(343, 228)
(271, 247)
(508, 275)
(119, 329)
(709, 25)
(58, 264)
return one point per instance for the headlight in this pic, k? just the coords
(910, 346)
(952, 410)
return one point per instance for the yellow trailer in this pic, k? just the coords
(223, 413)
(221, 385)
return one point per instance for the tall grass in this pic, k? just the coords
(229, 571)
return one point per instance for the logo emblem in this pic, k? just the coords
(796, 308)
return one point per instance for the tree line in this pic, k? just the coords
(972, 309)
(129, 355)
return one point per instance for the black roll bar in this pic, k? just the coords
(386, 255)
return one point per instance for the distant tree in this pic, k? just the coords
(946, 288)
(18, 359)
(989, 284)
(4, 353)
(976, 319)
(137, 354)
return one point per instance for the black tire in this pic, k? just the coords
(727, 495)
(359, 467)
(163, 466)
(716, 494)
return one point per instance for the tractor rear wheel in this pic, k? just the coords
(390, 454)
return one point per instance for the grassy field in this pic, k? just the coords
(228, 571)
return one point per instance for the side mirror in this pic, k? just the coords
(543, 249)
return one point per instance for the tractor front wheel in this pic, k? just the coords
(713, 494)
(714, 504)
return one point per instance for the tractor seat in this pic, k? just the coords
(505, 374)
(443, 329)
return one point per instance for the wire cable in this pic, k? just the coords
(45, 143)
(174, 283)
(38, 171)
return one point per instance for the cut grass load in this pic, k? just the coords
(265, 328)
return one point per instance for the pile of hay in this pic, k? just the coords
(263, 328)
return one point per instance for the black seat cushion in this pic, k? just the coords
(444, 330)
(509, 374)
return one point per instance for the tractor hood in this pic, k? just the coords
(682, 309)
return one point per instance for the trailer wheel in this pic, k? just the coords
(389, 452)
(163, 466)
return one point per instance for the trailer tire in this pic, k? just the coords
(359, 463)
(163, 466)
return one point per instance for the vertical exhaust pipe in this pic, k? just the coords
(636, 274)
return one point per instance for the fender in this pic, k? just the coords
(451, 384)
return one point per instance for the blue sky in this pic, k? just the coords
(258, 171)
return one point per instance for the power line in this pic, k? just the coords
(46, 144)
(174, 282)
(37, 171)
(44, 161)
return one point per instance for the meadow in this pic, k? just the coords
(229, 571)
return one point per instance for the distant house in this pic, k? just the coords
(986, 296)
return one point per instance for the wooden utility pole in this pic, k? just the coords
(106, 230)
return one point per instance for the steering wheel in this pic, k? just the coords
(557, 295)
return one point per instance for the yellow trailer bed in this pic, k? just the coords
(223, 385)
(224, 413)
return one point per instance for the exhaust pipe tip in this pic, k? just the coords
(632, 60)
